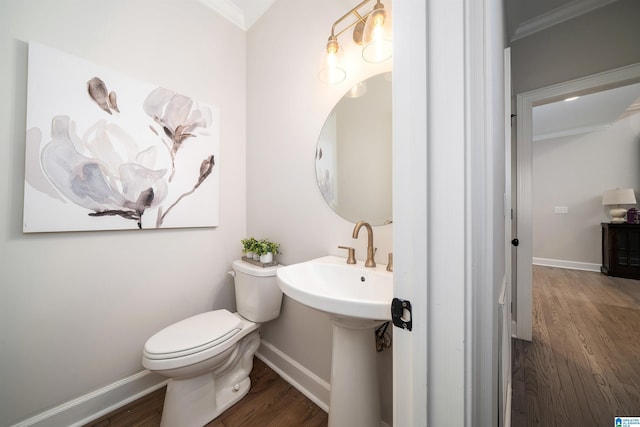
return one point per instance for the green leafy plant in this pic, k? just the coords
(260, 247)
(249, 244)
(267, 246)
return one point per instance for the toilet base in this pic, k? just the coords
(195, 401)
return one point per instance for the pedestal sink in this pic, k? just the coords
(357, 299)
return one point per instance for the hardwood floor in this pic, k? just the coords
(271, 402)
(583, 366)
(144, 412)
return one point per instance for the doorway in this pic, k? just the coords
(522, 292)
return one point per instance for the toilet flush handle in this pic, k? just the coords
(231, 273)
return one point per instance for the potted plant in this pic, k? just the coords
(248, 246)
(267, 250)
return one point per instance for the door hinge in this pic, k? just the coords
(401, 313)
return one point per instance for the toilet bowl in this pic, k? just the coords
(208, 357)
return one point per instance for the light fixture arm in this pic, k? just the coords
(367, 30)
(360, 18)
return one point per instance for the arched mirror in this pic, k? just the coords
(353, 155)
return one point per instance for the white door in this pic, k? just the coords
(410, 209)
(524, 222)
(429, 172)
(504, 301)
(441, 145)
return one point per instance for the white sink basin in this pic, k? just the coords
(331, 285)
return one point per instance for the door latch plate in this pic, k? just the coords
(401, 313)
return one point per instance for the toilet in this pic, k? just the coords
(208, 357)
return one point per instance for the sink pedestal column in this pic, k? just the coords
(354, 398)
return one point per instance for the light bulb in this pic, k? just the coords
(378, 17)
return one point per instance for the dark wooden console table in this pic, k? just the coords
(621, 250)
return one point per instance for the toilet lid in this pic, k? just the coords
(193, 335)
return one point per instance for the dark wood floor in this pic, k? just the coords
(583, 366)
(271, 402)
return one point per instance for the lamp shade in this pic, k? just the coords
(332, 71)
(619, 196)
(376, 41)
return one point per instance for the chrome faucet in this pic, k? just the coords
(370, 262)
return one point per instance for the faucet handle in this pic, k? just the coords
(351, 258)
(390, 262)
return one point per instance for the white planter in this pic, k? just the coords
(268, 257)
(249, 254)
(256, 257)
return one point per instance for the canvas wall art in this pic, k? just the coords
(105, 151)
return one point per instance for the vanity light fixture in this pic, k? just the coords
(371, 29)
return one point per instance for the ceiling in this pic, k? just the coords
(588, 113)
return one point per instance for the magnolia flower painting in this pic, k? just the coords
(107, 152)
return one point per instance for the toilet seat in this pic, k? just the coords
(193, 335)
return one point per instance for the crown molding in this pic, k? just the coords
(571, 132)
(228, 10)
(557, 15)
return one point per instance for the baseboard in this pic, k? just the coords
(571, 265)
(91, 406)
(305, 381)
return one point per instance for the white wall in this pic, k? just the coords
(601, 40)
(574, 171)
(63, 334)
(286, 108)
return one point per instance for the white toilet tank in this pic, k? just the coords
(258, 296)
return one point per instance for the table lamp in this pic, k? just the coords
(615, 198)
